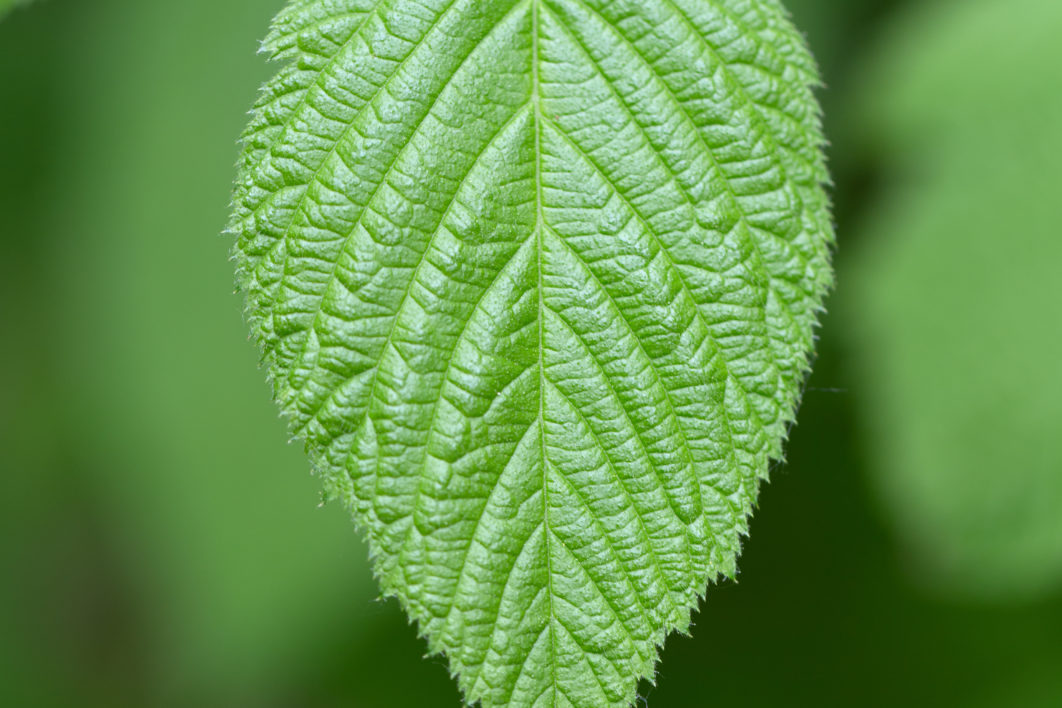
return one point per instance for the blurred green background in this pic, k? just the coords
(162, 546)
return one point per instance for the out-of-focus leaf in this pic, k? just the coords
(956, 299)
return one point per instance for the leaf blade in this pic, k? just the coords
(472, 230)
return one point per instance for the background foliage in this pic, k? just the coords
(162, 546)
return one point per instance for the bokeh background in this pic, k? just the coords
(161, 545)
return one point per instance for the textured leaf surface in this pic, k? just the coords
(955, 301)
(536, 283)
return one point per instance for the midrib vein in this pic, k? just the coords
(539, 227)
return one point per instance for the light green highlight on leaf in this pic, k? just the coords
(536, 282)
(8, 5)
(954, 301)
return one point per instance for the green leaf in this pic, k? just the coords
(536, 283)
(953, 304)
